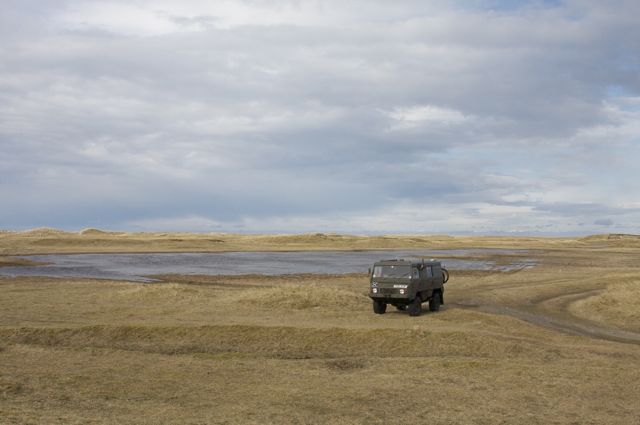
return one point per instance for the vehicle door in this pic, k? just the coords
(426, 277)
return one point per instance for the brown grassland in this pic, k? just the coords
(555, 344)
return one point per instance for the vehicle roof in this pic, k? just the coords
(404, 262)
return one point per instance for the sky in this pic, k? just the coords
(361, 117)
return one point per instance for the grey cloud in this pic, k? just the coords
(603, 222)
(585, 209)
(268, 121)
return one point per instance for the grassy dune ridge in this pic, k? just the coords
(275, 342)
(43, 241)
(555, 344)
(618, 305)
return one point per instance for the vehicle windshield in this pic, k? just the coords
(392, 271)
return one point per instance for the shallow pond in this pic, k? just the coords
(138, 267)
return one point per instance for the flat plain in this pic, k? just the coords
(558, 343)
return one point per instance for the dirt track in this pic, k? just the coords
(552, 313)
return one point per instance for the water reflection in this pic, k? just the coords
(138, 267)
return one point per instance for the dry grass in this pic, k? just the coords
(45, 240)
(156, 388)
(13, 262)
(618, 305)
(299, 297)
(306, 349)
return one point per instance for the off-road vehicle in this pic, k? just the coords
(406, 285)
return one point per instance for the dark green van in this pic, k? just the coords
(406, 285)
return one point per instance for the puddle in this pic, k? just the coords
(136, 267)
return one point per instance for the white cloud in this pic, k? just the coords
(176, 224)
(425, 115)
(118, 17)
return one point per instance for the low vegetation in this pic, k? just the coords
(43, 241)
(555, 344)
(618, 305)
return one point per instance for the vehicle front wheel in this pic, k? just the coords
(379, 307)
(434, 302)
(415, 308)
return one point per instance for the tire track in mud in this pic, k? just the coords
(538, 312)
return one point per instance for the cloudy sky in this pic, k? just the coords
(483, 117)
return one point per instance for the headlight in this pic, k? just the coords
(402, 292)
(374, 290)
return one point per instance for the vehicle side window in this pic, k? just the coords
(414, 273)
(429, 271)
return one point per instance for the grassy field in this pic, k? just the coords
(43, 241)
(556, 344)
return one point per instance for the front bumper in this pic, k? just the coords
(390, 295)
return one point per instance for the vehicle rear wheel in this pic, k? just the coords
(434, 302)
(379, 307)
(415, 308)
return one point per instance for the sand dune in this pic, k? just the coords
(45, 240)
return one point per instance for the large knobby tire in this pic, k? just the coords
(379, 307)
(434, 302)
(415, 308)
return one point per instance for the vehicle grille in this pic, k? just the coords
(386, 291)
